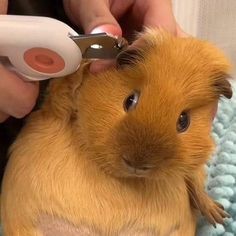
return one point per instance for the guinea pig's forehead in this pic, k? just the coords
(175, 93)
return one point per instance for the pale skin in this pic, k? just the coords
(18, 97)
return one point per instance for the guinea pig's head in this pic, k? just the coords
(152, 116)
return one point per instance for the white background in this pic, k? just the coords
(214, 20)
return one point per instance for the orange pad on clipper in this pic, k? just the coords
(44, 60)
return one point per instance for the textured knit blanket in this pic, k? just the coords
(221, 169)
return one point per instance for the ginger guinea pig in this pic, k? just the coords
(121, 152)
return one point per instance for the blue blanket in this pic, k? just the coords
(221, 169)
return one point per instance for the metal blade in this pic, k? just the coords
(99, 46)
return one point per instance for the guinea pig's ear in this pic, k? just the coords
(222, 86)
(128, 57)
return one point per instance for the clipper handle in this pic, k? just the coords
(39, 48)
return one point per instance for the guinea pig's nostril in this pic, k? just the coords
(127, 162)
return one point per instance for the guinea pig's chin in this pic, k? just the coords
(128, 175)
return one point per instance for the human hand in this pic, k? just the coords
(17, 97)
(121, 17)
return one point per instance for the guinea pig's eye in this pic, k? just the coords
(131, 101)
(183, 122)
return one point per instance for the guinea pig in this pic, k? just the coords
(121, 152)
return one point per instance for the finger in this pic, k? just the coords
(157, 13)
(101, 65)
(3, 116)
(3, 6)
(17, 97)
(92, 16)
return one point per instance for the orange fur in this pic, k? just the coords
(67, 162)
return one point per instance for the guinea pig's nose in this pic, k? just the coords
(134, 166)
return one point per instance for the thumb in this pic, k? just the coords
(94, 17)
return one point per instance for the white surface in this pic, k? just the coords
(213, 20)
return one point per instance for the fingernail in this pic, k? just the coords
(108, 28)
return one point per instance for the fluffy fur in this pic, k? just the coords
(68, 166)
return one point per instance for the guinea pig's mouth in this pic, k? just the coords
(136, 174)
(134, 170)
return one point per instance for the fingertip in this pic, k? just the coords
(101, 65)
(108, 28)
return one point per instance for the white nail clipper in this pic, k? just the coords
(40, 48)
